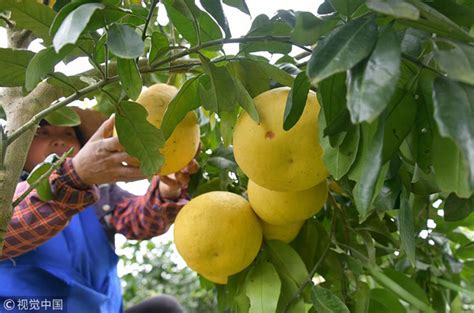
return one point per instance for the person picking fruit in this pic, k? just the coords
(64, 248)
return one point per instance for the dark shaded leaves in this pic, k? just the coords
(139, 138)
(342, 49)
(296, 101)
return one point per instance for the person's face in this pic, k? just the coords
(51, 139)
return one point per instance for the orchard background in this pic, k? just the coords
(395, 80)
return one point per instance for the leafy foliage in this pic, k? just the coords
(395, 82)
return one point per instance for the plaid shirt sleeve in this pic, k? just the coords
(35, 221)
(144, 217)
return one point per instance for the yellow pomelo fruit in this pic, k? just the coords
(285, 233)
(181, 147)
(218, 235)
(275, 158)
(286, 207)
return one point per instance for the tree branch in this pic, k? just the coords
(154, 3)
(145, 68)
(38, 117)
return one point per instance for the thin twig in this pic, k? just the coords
(38, 117)
(302, 55)
(154, 3)
(35, 184)
(94, 63)
(423, 65)
(81, 93)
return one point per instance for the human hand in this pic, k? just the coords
(170, 186)
(101, 159)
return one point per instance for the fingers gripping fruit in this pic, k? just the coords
(274, 158)
(218, 235)
(180, 148)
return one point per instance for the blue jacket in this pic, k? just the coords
(77, 267)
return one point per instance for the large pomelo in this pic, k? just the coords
(274, 158)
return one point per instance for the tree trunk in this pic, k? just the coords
(18, 110)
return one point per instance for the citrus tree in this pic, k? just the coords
(394, 87)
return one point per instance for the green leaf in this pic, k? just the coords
(238, 4)
(454, 113)
(195, 25)
(130, 77)
(66, 83)
(13, 63)
(462, 14)
(41, 65)
(159, 46)
(254, 81)
(371, 86)
(139, 138)
(456, 209)
(452, 173)
(466, 252)
(287, 262)
(217, 12)
(262, 286)
(332, 92)
(407, 283)
(255, 75)
(311, 242)
(413, 41)
(370, 167)
(342, 49)
(406, 226)
(361, 298)
(296, 101)
(456, 60)
(340, 159)
(184, 102)
(262, 26)
(424, 123)
(74, 24)
(382, 300)
(43, 188)
(388, 196)
(288, 289)
(346, 7)
(433, 21)
(221, 93)
(63, 13)
(124, 42)
(245, 100)
(327, 302)
(325, 8)
(399, 122)
(31, 15)
(274, 73)
(64, 117)
(395, 8)
(309, 28)
(227, 125)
